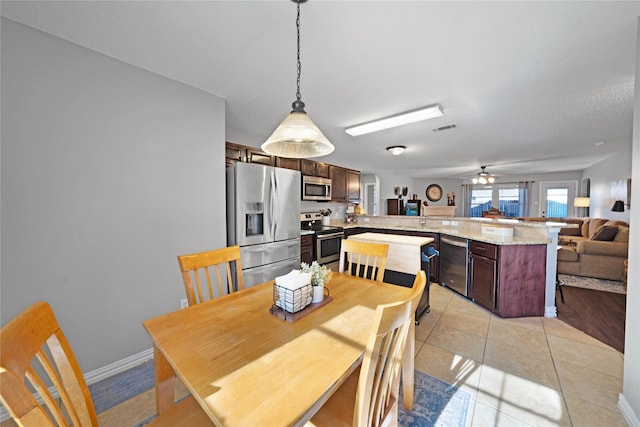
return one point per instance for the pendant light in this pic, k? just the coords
(297, 136)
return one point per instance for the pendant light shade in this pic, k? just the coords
(297, 136)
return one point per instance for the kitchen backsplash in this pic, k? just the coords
(337, 209)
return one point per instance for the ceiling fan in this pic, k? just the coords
(484, 177)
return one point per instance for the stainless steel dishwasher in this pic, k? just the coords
(454, 260)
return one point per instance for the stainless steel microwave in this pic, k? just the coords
(316, 188)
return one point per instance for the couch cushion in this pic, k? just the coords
(622, 235)
(605, 233)
(567, 254)
(617, 223)
(594, 225)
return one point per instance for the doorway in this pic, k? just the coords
(556, 199)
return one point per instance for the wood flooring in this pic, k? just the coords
(596, 313)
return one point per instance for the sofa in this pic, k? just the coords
(596, 248)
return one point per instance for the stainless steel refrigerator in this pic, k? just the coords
(263, 218)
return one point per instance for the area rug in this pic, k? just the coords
(436, 403)
(592, 283)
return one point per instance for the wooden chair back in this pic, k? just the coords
(363, 259)
(196, 273)
(369, 397)
(35, 351)
(36, 356)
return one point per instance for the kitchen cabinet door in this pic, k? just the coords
(255, 155)
(482, 281)
(234, 153)
(306, 248)
(313, 168)
(287, 163)
(338, 183)
(353, 186)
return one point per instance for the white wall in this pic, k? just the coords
(630, 398)
(601, 175)
(108, 173)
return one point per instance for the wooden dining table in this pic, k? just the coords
(248, 367)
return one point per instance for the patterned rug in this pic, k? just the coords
(436, 403)
(591, 283)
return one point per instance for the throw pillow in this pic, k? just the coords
(605, 233)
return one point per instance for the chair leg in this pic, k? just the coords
(559, 285)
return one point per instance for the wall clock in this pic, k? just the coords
(434, 192)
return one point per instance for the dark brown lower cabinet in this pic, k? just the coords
(306, 248)
(482, 281)
(509, 280)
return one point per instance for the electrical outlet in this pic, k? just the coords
(184, 303)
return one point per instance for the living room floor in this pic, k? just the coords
(528, 371)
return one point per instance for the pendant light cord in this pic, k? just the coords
(298, 96)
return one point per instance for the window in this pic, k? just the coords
(480, 201)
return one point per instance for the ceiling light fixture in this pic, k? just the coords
(297, 136)
(425, 113)
(396, 150)
(484, 177)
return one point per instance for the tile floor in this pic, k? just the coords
(522, 372)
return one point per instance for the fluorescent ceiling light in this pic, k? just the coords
(426, 113)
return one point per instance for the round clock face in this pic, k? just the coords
(434, 192)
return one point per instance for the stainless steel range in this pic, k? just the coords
(326, 238)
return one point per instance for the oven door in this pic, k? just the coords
(328, 247)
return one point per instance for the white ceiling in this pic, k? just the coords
(532, 86)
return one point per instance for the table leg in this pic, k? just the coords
(408, 367)
(165, 388)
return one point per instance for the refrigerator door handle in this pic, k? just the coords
(273, 207)
(275, 204)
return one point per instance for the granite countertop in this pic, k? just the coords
(394, 239)
(466, 233)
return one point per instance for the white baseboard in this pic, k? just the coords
(550, 311)
(102, 373)
(627, 412)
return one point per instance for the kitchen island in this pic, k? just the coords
(404, 260)
(534, 234)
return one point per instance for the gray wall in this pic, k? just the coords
(108, 173)
(601, 175)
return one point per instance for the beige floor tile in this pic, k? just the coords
(587, 384)
(485, 416)
(450, 367)
(585, 414)
(558, 328)
(456, 341)
(428, 321)
(477, 325)
(602, 359)
(517, 335)
(521, 398)
(533, 323)
(439, 297)
(533, 366)
(459, 303)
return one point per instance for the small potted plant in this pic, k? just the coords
(320, 275)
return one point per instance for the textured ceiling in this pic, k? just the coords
(532, 86)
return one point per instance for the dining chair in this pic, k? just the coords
(36, 356)
(363, 259)
(196, 273)
(369, 397)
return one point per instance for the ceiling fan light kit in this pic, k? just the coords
(484, 177)
(297, 136)
(406, 118)
(396, 150)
